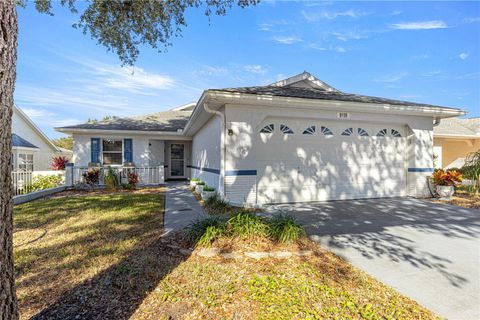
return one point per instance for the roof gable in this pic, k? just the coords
(34, 127)
(304, 80)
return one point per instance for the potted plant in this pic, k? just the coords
(207, 192)
(199, 187)
(193, 182)
(445, 182)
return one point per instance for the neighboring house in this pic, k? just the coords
(32, 150)
(295, 140)
(453, 139)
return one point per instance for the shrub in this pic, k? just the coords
(203, 232)
(133, 179)
(128, 186)
(216, 202)
(195, 179)
(92, 176)
(448, 178)
(285, 228)
(208, 189)
(471, 169)
(200, 183)
(246, 224)
(111, 179)
(44, 182)
(58, 163)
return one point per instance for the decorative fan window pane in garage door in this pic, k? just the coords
(382, 133)
(347, 132)
(268, 128)
(326, 131)
(309, 130)
(396, 134)
(286, 129)
(362, 132)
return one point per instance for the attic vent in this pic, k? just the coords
(343, 115)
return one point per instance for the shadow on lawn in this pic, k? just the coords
(119, 290)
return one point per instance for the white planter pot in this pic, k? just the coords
(193, 184)
(198, 189)
(445, 191)
(207, 194)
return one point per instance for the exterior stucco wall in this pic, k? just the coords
(206, 153)
(42, 157)
(453, 149)
(245, 121)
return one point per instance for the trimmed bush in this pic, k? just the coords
(204, 231)
(195, 179)
(208, 189)
(285, 229)
(200, 183)
(247, 224)
(44, 182)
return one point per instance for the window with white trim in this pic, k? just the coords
(268, 128)
(286, 129)
(347, 132)
(362, 132)
(309, 130)
(25, 161)
(112, 151)
(326, 131)
(395, 133)
(382, 133)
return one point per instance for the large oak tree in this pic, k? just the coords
(122, 26)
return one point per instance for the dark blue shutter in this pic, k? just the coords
(95, 150)
(127, 150)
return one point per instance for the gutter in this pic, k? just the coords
(222, 145)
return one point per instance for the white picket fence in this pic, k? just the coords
(20, 180)
(146, 175)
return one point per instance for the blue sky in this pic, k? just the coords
(416, 51)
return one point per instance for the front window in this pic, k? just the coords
(25, 161)
(112, 151)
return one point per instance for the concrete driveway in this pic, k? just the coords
(429, 252)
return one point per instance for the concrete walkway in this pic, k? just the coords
(430, 252)
(181, 207)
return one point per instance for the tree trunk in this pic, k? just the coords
(8, 59)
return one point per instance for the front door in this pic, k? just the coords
(177, 160)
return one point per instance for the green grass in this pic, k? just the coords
(60, 242)
(243, 226)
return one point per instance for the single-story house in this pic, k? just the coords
(32, 150)
(453, 139)
(295, 140)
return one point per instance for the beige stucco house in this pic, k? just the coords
(32, 150)
(453, 139)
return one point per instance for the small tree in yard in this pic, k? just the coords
(471, 168)
(119, 25)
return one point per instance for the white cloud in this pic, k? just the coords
(331, 15)
(216, 71)
(287, 39)
(421, 25)
(351, 35)
(133, 79)
(471, 20)
(420, 56)
(36, 113)
(255, 69)
(396, 12)
(392, 78)
(317, 47)
(463, 55)
(340, 49)
(433, 73)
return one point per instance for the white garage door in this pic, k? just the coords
(300, 160)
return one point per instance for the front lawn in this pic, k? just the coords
(102, 256)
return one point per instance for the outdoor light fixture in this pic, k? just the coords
(230, 132)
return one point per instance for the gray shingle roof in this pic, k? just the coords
(313, 93)
(457, 126)
(18, 141)
(168, 121)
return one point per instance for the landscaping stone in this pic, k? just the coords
(303, 253)
(208, 252)
(257, 255)
(232, 255)
(281, 254)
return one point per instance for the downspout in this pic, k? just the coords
(222, 146)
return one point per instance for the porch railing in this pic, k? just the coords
(146, 175)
